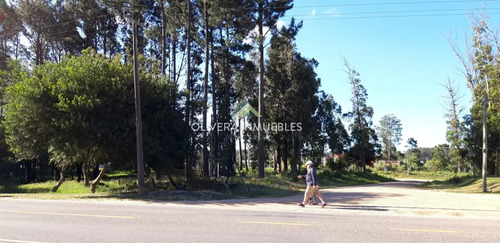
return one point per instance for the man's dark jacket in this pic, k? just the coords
(311, 177)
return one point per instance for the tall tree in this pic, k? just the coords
(389, 132)
(81, 111)
(454, 133)
(362, 134)
(412, 154)
(480, 69)
(279, 82)
(98, 25)
(232, 24)
(268, 14)
(10, 31)
(329, 129)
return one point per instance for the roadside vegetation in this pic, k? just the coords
(421, 175)
(465, 184)
(68, 105)
(122, 185)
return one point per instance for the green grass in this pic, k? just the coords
(120, 185)
(465, 184)
(423, 175)
(68, 187)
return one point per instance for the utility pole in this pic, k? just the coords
(260, 135)
(485, 143)
(138, 116)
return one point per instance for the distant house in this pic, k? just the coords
(328, 156)
(338, 156)
(392, 162)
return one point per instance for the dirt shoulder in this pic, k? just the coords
(400, 198)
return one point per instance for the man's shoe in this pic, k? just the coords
(300, 204)
(324, 204)
(314, 203)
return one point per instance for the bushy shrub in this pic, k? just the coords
(434, 165)
(382, 166)
(6, 166)
(338, 164)
(399, 169)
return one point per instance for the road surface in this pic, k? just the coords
(387, 212)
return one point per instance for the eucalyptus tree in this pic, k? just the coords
(364, 147)
(454, 133)
(480, 69)
(337, 136)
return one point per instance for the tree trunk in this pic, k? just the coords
(295, 155)
(363, 160)
(275, 160)
(171, 179)
(99, 177)
(174, 59)
(496, 164)
(16, 52)
(29, 175)
(299, 154)
(245, 142)
(158, 175)
(85, 169)
(279, 157)
(285, 156)
(79, 172)
(205, 96)
(239, 138)
(189, 160)
(61, 179)
(163, 42)
(151, 182)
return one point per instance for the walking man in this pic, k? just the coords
(312, 184)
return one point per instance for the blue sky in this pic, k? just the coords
(402, 60)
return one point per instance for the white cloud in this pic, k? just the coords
(313, 12)
(252, 36)
(333, 11)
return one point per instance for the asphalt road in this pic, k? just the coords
(362, 218)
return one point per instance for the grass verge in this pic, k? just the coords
(422, 175)
(120, 185)
(465, 184)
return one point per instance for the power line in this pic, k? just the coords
(389, 12)
(390, 16)
(392, 3)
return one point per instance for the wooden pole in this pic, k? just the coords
(138, 117)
